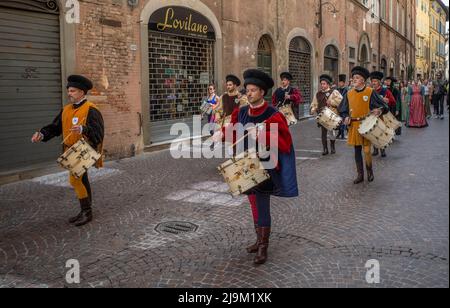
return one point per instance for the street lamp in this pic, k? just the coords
(331, 8)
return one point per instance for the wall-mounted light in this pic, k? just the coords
(331, 8)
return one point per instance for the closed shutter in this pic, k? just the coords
(30, 85)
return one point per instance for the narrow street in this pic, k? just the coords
(321, 239)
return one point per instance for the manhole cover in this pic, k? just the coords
(176, 227)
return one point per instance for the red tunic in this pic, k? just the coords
(388, 94)
(283, 134)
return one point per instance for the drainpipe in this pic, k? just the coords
(379, 37)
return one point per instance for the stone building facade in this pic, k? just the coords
(151, 61)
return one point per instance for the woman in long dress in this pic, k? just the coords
(417, 115)
(405, 101)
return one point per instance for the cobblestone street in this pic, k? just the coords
(321, 239)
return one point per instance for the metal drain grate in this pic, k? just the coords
(176, 227)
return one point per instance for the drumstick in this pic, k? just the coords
(65, 139)
(279, 103)
(245, 136)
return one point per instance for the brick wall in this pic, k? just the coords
(104, 38)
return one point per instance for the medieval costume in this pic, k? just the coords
(230, 101)
(343, 89)
(386, 94)
(283, 178)
(398, 97)
(88, 116)
(417, 114)
(287, 95)
(327, 98)
(357, 104)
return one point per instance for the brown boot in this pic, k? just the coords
(360, 178)
(254, 247)
(263, 245)
(86, 213)
(76, 218)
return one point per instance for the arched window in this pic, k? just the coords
(331, 61)
(265, 57)
(383, 66)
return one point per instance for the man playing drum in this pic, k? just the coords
(376, 79)
(79, 119)
(327, 97)
(229, 101)
(287, 95)
(283, 179)
(357, 104)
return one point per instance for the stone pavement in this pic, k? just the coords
(321, 239)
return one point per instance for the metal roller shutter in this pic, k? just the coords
(30, 85)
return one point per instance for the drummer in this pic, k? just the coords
(327, 97)
(287, 95)
(357, 104)
(283, 182)
(229, 102)
(79, 119)
(376, 80)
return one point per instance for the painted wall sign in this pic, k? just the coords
(181, 21)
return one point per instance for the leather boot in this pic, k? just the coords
(86, 213)
(376, 152)
(263, 245)
(325, 146)
(360, 178)
(370, 175)
(76, 218)
(333, 146)
(254, 247)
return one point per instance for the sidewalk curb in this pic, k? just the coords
(51, 168)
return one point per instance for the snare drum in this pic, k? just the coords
(287, 111)
(243, 173)
(377, 132)
(328, 119)
(391, 121)
(79, 158)
(206, 108)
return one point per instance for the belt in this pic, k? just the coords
(358, 119)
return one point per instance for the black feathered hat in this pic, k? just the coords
(377, 75)
(361, 71)
(326, 78)
(79, 82)
(286, 75)
(259, 79)
(234, 79)
(342, 78)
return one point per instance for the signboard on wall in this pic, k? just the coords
(181, 21)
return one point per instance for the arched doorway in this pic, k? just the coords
(364, 56)
(392, 69)
(300, 68)
(331, 62)
(364, 52)
(30, 80)
(181, 65)
(383, 66)
(265, 58)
